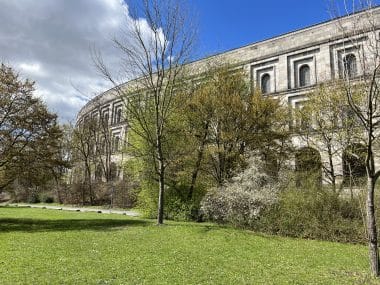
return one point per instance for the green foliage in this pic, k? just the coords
(30, 151)
(306, 210)
(147, 200)
(47, 198)
(225, 120)
(91, 248)
(326, 122)
(177, 206)
(207, 134)
(314, 212)
(34, 198)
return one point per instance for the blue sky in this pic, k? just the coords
(227, 24)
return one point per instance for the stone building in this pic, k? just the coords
(288, 67)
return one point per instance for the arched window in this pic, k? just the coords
(349, 63)
(105, 119)
(118, 116)
(304, 75)
(265, 83)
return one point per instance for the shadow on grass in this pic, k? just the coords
(40, 225)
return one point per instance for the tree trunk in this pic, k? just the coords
(89, 186)
(194, 175)
(332, 169)
(59, 196)
(83, 194)
(371, 226)
(160, 215)
(91, 193)
(161, 180)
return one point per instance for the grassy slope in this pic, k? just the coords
(55, 247)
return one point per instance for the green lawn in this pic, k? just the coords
(40, 246)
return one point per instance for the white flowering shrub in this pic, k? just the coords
(241, 201)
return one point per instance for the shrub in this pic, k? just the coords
(78, 194)
(147, 199)
(314, 212)
(46, 198)
(125, 194)
(33, 198)
(255, 201)
(177, 206)
(242, 201)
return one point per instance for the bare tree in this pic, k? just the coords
(93, 148)
(102, 139)
(157, 42)
(83, 153)
(360, 72)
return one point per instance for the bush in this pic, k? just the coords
(125, 194)
(315, 213)
(33, 198)
(177, 207)
(255, 201)
(77, 194)
(46, 198)
(242, 201)
(147, 199)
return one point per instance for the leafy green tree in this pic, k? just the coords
(324, 122)
(214, 127)
(29, 133)
(226, 121)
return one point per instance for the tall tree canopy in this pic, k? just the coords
(29, 134)
(157, 57)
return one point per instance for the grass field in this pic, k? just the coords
(40, 246)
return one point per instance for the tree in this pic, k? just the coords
(83, 147)
(65, 155)
(93, 147)
(157, 54)
(360, 74)
(324, 123)
(226, 120)
(29, 134)
(102, 143)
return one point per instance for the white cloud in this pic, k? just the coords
(31, 68)
(49, 42)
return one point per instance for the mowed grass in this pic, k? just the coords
(40, 246)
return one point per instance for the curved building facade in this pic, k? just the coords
(287, 67)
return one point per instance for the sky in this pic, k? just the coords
(227, 24)
(49, 41)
